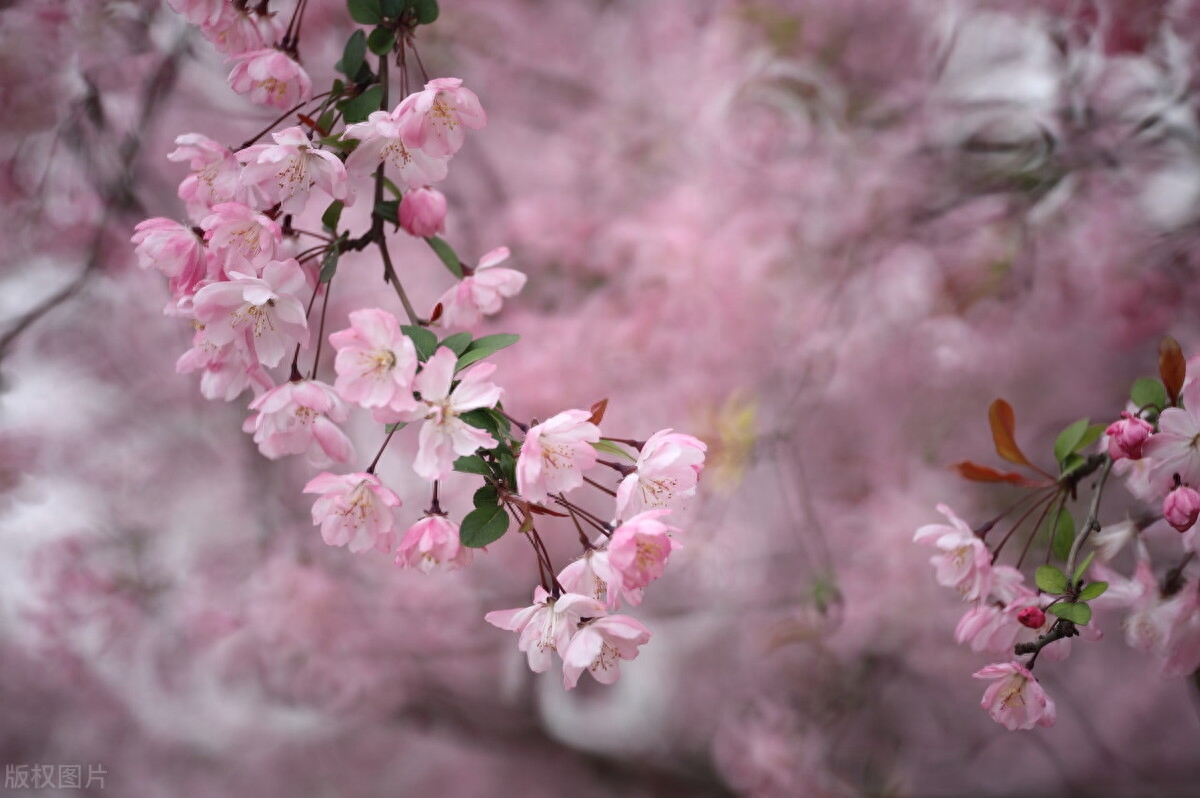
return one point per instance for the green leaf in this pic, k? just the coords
(1148, 392)
(1090, 436)
(483, 525)
(1078, 613)
(1094, 590)
(381, 41)
(1050, 580)
(480, 418)
(457, 343)
(326, 120)
(472, 464)
(388, 210)
(332, 215)
(329, 264)
(608, 447)
(426, 11)
(390, 428)
(446, 253)
(1064, 534)
(359, 108)
(486, 496)
(367, 12)
(393, 8)
(485, 346)
(508, 465)
(354, 54)
(423, 340)
(1068, 440)
(1082, 568)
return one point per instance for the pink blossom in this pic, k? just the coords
(214, 177)
(444, 434)
(379, 141)
(263, 314)
(964, 563)
(433, 119)
(599, 646)
(547, 625)
(271, 78)
(245, 238)
(482, 292)
(1127, 437)
(592, 576)
(1182, 644)
(1032, 617)
(173, 249)
(555, 454)
(226, 371)
(376, 364)
(987, 627)
(666, 473)
(239, 30)
(1017, 700)
(431, 542)
(199, 12)
(423, 212)
(286, 171)
(354, 510)
(1181, 507)
(638, 552)
(294, 416)
(1175, 449)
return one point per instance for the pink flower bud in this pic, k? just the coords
(1033, 617)
(423, 212)
(1181, 507)
(1126, 437)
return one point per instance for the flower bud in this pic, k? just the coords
(1181, 507)
(1033, 617)
(423, 212)
(1126, 437)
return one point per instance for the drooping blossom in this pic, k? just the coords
(666, 472)
(243, 237)
(482, 292)
(239, 30)
(423, 212)
(1181, 507)
(638, 552)
(599, 646)
(299, 417)
(1175, 449)
(286, 172)
(444, 434)
(354, 510)
(555, 454)
(435, 119)
(592, 576)
(199, 12)
(1015, 700)
(225, 371)
(375, 364)
(1128, 436)
(173, 249)
(965, 563)
(547, 625)
(263, 314)
(430, 543)
(270, 77)
(214, 177)
(1182, 645)
(380, 141)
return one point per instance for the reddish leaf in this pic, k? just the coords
(979, 473)
(437, 313)
(539, 510)
(1171, 367)
(598, 412)
(308, 120)
(1003, 422)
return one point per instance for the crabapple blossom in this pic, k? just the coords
(199, 12)
(591, 575)
(1127, 436)
(264, 312)
(666, 473)
(481, 292)
(444, 434)
(1181, 507)
(638, 552)
(270, 77)
(354, 510)
(214, 177)
(1032, 617)
(286, 171)
(292, 417)
(174, 250)
(1175, 449)
(226, 371)
(245, 238)
(380, 141)
(599, 646)
(431, 542)
(238, 30)
(1017, 700)
(965, 563)
(547, 625)
(555, 454)
(423, 212)
(376, 363)
(433, 119)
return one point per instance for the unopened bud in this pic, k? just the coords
(1181, 508)
(1127, 436)
(423, 212)
(1033, 617)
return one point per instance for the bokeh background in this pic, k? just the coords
(822, 235)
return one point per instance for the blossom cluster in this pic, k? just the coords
(1155, 445)
(237, 272)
